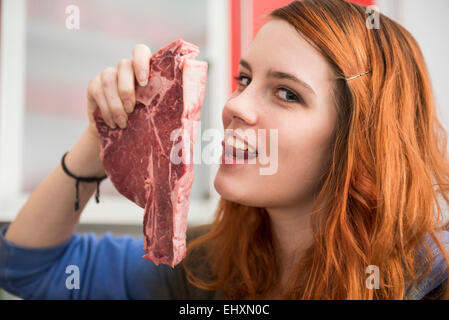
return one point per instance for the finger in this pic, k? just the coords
(110, 90)
(126, 90)
(141, 63)
(96, 98)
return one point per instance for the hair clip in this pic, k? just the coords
(356, 76)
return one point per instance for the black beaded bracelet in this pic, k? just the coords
(83, 179)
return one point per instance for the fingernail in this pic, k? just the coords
(121, 122)
(128, 106)
(143, 78)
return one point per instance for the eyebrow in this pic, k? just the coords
(279, 75)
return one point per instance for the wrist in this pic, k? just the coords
(83, 158)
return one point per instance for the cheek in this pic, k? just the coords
(303, 151)
(300, 165)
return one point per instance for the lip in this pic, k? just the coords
(231, 157)
(235, 134)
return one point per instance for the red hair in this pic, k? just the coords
(377, 201)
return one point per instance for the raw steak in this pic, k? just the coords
(137, 159)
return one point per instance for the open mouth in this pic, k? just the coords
(231, 151)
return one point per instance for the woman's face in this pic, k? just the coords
(303, 113)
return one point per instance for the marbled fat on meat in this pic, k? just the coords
(137, 158)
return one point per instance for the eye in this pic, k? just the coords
(290, 96)
(240, 78)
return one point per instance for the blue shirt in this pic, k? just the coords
(112, 267)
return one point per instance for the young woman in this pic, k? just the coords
(360, 152)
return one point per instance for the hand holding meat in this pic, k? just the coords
(113, 90)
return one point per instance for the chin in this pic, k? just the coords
(228, 190)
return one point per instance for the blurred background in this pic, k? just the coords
(47, 60)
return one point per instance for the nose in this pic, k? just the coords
(240, 107)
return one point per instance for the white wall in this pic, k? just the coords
(428, 22)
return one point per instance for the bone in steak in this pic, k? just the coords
(137, 159)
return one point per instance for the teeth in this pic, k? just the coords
(239, 144)
(230, 141)
(251, 149)
(236, 143)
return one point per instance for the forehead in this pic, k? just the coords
(279, 46)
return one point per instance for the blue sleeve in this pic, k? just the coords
(439, 270)
(110, 267)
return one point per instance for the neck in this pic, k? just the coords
(292, 232)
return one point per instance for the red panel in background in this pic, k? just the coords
(235, 39)
(260, 7)
(363, 2)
